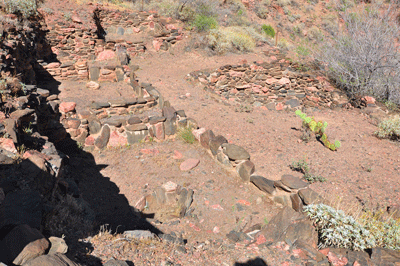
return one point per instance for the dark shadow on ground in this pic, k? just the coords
(81, 179)
(253, 262)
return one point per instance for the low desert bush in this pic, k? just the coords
(24, 8)
(371, 229)
(389, 128)
(337, 229)
(268, 30)
(284, 2)
(204, 23)
(364, 58)
(233, 39)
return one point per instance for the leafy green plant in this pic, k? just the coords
(337, 229)
(186, 134)
(204, 23)
(319, 129)
(268, 30)
(389, 128)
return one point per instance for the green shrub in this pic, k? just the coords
(337, 229)
(25, 8)
(204, 23)
(303, 167)
(269, 30)
(389, 128)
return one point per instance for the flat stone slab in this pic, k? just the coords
(235, 152)
(189, 164)
(293, 182)
(263, 184)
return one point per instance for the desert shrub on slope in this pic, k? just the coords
(364, 58)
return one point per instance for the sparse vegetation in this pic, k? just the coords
(23, 8)
(303, 167)
(389, 128)
(186, 134)
(319, 130)
(232, 39)
(364, 58)
(204, 23)
(268, 30)
(337, 229)
(70, 217)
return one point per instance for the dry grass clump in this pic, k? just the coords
(70, 217)
(186, 134)
(234, 39)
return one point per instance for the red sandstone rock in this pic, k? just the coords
(157, 44)
(8, 145)
(66, 107)
(89, 141)
(106, 55)
(189, 164)
(117, 140)
(279, 106)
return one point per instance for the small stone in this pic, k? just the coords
(43, 92)
(197, 132)
(66, 107)
(293, 182)
(102, 140)
(94, 126)
(293, 103)
(282, 186)
(169, 112)
(92, 85)
(8, 145)
(139, 234)
(223, 159)
(189, 164)
(169, 186)
(235, 152)
(284, 81)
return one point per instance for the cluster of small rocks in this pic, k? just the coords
(277, 85)
(82, 46)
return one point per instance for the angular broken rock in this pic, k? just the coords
(102, 139)
(216, 142)
(58, 245)
(245, 169)
(235, 152)
(263, 184)
(297, 203)
(92, 85)
(309, 196)
(206, 137)
(293, 182)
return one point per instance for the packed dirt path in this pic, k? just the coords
(364, 170)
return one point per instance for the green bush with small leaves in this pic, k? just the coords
(269, 30)
(204, 23)
(389, 128)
